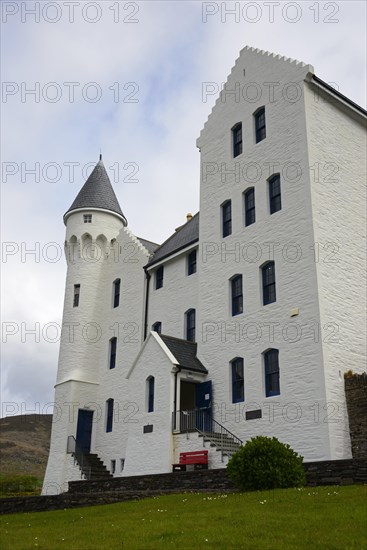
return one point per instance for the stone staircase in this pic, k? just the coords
(223, 442)
(92, 466)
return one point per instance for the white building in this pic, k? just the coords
(252, 315)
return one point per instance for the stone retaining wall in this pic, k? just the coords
(356, 397)
(89, 493)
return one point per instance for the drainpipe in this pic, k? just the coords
(148, 276)
(175, 399)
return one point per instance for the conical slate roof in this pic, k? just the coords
(97, 192)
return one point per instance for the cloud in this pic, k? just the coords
(162, 61)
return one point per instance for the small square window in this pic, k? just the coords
(87, 218)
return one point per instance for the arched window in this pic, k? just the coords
(275, 198)
(237, 295)
(260, 128)
(109, 415)
(113, 347)
(238, 380)
(271, 365)
(249, 198)
(190, 325)
(268, 283)
(150, 394)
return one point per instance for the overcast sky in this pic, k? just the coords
(127, 78)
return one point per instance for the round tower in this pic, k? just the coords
(93, 223)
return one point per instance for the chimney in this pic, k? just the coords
(188, 217)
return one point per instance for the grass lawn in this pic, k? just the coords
(310, 518)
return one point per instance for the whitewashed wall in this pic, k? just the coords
(290, 234)
(337, 156)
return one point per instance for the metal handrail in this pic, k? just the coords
(79, 456)
(201, 421)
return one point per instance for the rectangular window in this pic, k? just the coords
(275, 200)
(268, 277)
(87, 218)
(116, 292)
(272, 386)
(113, 347)
(122, 464)
(260, 128)
(237, 296)
(237, 139)
(113, 466)
(109, 419)
(159, 277)
(226, 218)
(76, 295)
(190, 325)
(249, 206)
(191, 263)
(238, 384)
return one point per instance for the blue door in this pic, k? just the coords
(84, 430)
(203, 406)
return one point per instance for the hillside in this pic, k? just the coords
(24, 444)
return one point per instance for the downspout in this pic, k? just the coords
(148, 277)
(175, 399)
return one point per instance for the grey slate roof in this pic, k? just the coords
(185, 353)
(97, 192)
(187, 234)
(149, 245)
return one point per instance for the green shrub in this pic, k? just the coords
(266, 463)
(19, 485)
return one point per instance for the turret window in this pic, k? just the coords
(87, 218)
(76, 295)
(109, 415)
(113, 347)
(116, 292)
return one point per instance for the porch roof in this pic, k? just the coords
(184, 352)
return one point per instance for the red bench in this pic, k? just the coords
(199, 459)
